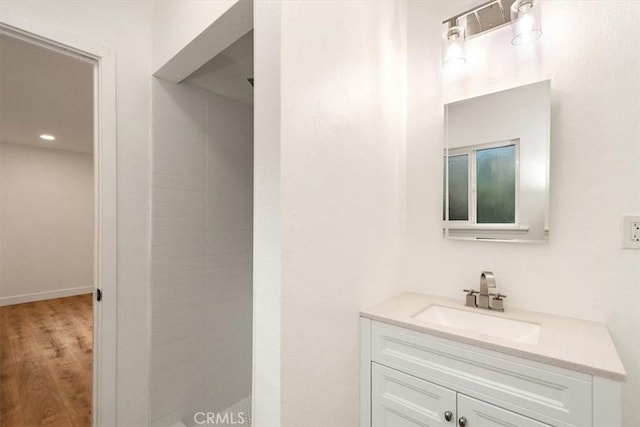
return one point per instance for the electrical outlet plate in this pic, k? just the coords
(631, 231)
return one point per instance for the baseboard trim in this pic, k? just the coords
(39, 296)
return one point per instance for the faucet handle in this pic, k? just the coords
(498, 296)
(470, 298)
(496, 302)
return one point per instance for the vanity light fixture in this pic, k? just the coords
(524, 16)
(525, 22)
(47, 137)
(453, 45)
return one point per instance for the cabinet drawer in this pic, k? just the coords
(480, 414)
(402, 400)
(553, 395)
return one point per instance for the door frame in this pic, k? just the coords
(105, 230)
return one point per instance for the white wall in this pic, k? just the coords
(267, 251)
(177, 22)
(46, 220)
(595, 86)
(340, 180)
(201, 252)
(124, 27)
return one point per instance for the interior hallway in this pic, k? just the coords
(46, 362)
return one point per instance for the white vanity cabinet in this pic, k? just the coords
(401, 400)
(414, 378)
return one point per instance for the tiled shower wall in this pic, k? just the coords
(201, 252)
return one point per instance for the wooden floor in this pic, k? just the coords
(45, 363)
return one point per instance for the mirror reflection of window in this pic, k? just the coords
(459, 187)
(496, 185)
(483, 183)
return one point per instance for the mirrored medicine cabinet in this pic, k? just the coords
(496, 166)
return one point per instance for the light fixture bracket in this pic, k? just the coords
(484, 17)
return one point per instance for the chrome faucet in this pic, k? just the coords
(486, 281)
(485, 299)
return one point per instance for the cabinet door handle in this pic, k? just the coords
(462, 422)
(448, 415)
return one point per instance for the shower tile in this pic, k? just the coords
(178, 278)
(178, 182)
(174, 354)
(171, 165)
(220, 260)
(177, 306)
(177, 264)
(170, 320)
(194, 327)
(168, 378)
(201, 252)
(169, 195)
(166, 400)
(178, 223)
(177, 237)
(172, 293)
(187, 250)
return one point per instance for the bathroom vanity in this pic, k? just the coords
(428, 361)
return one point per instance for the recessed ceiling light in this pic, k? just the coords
(47, 137)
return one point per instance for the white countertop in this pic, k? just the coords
(573, 344)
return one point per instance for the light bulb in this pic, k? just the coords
(453, 52)
(525, 21)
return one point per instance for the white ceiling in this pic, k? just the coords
(42, 91)
(226, 74)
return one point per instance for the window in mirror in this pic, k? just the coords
(496, 185)
(459, 187)
(483, 183)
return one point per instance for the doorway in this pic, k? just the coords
(57, 228)
(47, 227)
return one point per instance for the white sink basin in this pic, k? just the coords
(481, 323)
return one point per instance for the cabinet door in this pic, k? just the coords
(401, 400)
(481, 414)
